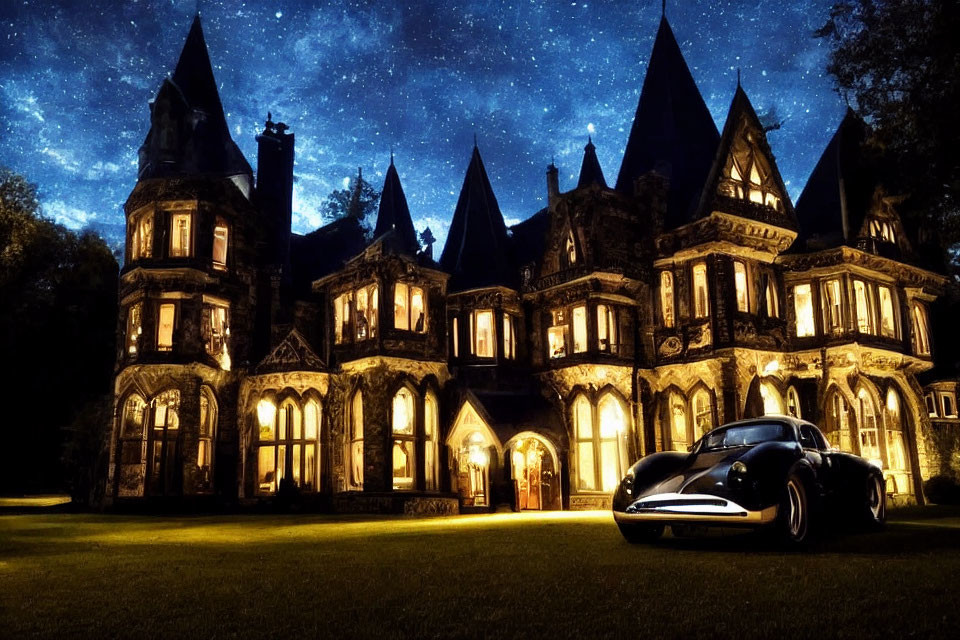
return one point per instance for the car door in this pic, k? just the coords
(813, 452)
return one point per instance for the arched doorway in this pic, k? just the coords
(473, 445)
(534, 471)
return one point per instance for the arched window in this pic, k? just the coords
(666, 298)
(613, 423)
(702, 413)
(772, 403)
(431, 430)
(678, 423)
(837, 429)
(586, 455)
(131, 430)
(220, 236)
(921, 335)
(205, 439)
(898, 462)
(404, 440)
(569, 257)
(793, 403)
(293, 451)
(356, 441)
(311, 445)
(163, 443)
(869, 431)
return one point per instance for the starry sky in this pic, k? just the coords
(531, 78)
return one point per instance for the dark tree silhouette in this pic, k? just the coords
(58, 314)
(897, 63)
(359, 200)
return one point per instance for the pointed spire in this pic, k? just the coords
(394, 214)
(590, 171)
(663, 9)
(673, 132)
(477, 251)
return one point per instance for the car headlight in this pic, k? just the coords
(739, 468)
(627, 484)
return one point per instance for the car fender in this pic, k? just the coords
(769, 464)
(647, 471)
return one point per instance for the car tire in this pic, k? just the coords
(874, 503)
(640, 533)
(796, 518)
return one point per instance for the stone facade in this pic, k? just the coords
(526, 368)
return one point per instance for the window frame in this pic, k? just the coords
(741, 283)
(220, 261)
(176, 251)
(809, 315)
(608, 339)
(701, 291)
(475, 333)
(668, 308)
(404, 439)
(410, 291)
(161, 345)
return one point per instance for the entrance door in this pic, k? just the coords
(163, 446)
(474, 469)
(532, 474)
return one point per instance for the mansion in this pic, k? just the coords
(524, 367)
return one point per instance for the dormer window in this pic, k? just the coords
(409, 308)
(220, 236)
(882, 230)
(482, 333)
(181, 240)
(747, 174)
(570, 250)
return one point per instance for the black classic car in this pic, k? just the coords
(775, 471)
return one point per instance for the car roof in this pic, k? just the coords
(789, 420)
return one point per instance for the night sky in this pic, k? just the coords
(530, 77)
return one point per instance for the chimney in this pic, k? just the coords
(553, 182)
(275, 190)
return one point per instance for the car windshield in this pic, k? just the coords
(746, 435)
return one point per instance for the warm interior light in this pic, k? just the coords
(772, 367)
(266, 412)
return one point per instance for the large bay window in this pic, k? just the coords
(134, 327)
(833, 305)
(431, 434)
(740, 282)
(409, 308)
(557, 335)
(862, 303)
(869, 432)
(181, 236)
(607, 334)
(666, 299)
(509, 337)
(482, 334)
(141, 236)
(404, 440)
(355, 453)
(921, 334)
(803, 306)
(166, 316)
(205, 439)
(599, 455)
(220, 237)
(288, 445)
(579, 329)
(701, 298)
(888, 323)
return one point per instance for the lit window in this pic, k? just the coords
(678, 423)
(131, 434)
(772, 404)
(180, 238)
(793, 403)
(220, 233)
(339, 313)
(897, 461)
(141, 236)
(833, 305)
(803, 304)
(882, 230)
(311, 446)
(773, 304)
(948, 403)
(613, 423)
(557, 336)
(409, 308)
(455, 329)
(404, 440)
(607, 334)
(208, 425)
(579, 329)
(570, 250)
(888, 327)
(162, 440)
(214, 329)
(666, 298)
(838, 424)
(356, 442)
(921, 335)
(747, 175)
(509, 337)
(134, 328)
(740, 280)
(931, 401)
(869, 433)
(702, 414)
(701, 300)
(289, 447)
(482, 333)
(864, 320)
(583, 427)
(431, 430)
(165, 327)
(367, 311)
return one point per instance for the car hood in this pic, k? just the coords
(702, 473)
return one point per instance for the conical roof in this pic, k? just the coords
(477, 252)
(189, 133)
(394, 214)
(673, 132)
(590, 171)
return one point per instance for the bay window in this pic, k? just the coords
(921, 334)
(482, 333)
(220, 236)
(404, 440)
(607, 334)
(557, 335)
(367, 312)
(862, 303)
(833, 305)
(803, 306)
(409, 308)
(134, 327)
(214, 328)
(141, 236)
(888, 326)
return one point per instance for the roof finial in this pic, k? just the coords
(391, 155)
(474, 139)
(589, 139)
(198, 7)
(663, 11)
(738, 77)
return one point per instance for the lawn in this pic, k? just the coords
(560, 574)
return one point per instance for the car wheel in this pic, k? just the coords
(640, 533)
(796, 513)
(875, 503)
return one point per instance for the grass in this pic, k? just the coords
(513, 575)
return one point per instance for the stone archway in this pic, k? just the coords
(535, 472)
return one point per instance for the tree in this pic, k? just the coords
(58, 314)
(897, 62)
(358, 201)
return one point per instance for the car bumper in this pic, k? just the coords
(694, 508)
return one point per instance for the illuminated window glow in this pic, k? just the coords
(404, 440)
(181, 245)
(803, 304)
(134, 328)
(702, 414)
(165, 327)
(607, 334)
(483, 337)
(740, 280)
(888, 327)
(356, 442)
(864, 318)
(869, 432)
(666, 299)
(509, 337)
(431, 431)
(701, 299)
(679, 439)
(772, 403)
(833, 305)
(220, 236)
(557, 336)
(141, 236)
(579, 329)
(921, 334)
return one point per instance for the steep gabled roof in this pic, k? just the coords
(293, 353)
(743, 155)
(324, 250)
(590, 171)
(394, 215)
(673, 132)
(189, 133)
(478, 251)
(836, 198)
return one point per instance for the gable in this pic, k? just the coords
(292, 354)
(748, 171)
